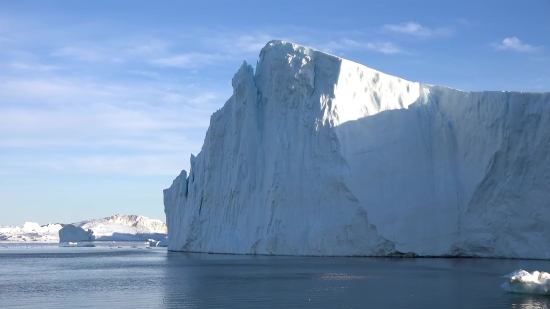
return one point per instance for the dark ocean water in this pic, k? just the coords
(102, 277)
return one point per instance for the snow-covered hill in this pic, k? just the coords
(318, 155)
(124, 227)
(118, 227)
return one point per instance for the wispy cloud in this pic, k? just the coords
(149, 48)
(515, 44)
(150, 74)
(464, 22)
(252, 43)
(348, 44)
(32, 67)
(236, 43)
(189, 60)
(54, 89)
(82, 54)
(137, 164)
(128, 165)
(417, 30)
(72, 115)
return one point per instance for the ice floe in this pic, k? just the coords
(521, 281)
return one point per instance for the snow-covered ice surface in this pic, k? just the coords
(31, 231)
(521, 281)
(318, 155)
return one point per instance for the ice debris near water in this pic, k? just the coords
(521, 281)
(318, 155)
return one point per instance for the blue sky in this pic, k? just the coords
(102, 102)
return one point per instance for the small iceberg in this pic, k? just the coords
(521, 281)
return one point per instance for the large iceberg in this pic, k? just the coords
(318, 155)
(71, 233)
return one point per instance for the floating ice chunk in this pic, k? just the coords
(158, 243)
(71, 233)
(163, 242)
(521, 281)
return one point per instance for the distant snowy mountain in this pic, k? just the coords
(124, 227)
(117, 227)
(317, 155)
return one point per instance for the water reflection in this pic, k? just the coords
(221, 281)
(132, 278)
(180, 290)
(521, 301)
(344, 276)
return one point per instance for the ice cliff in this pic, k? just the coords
(318, 155)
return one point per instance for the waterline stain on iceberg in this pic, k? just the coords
(318, 155)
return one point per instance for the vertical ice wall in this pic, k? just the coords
(317, 155)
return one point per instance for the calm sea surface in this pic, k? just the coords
(49, 276)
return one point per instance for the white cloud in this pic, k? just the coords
(381, 47)
(348, 44)
(252, 44)
(82, 118)
(464, 22)
(417, 30)
(150, 74)
(32, 67)
(514, 44)
(234, 43)
(81, 54)
(189, 60)
(54, 90)
(137, 164)
(152, 47)
(129, 165)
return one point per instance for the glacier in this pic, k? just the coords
(320, 156)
